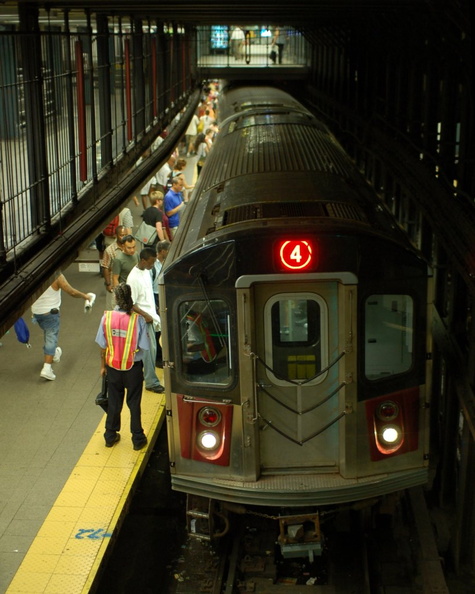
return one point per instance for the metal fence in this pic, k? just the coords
(74, 98)
(251, 46)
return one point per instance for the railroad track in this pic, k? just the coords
(363, 552)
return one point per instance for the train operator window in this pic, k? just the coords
(295, 336)
(204, 334)
(388, 335)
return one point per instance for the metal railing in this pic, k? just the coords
(250, 47)
(73, 102)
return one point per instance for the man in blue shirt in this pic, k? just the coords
(174, 203)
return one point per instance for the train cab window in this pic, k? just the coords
(295, 336)
(389, 325)
(204, 340)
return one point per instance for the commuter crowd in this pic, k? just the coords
(131, 258)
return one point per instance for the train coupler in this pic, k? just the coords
(300, 536)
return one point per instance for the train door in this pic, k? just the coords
(300, 363)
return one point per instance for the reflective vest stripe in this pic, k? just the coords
(120, 349)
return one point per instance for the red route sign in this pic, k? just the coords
(296, 254)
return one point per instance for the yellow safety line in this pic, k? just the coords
(71, 545)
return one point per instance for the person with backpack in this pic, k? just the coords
(153, 216)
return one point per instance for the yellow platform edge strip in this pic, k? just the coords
(58, 563)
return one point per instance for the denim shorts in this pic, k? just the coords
(49, 323)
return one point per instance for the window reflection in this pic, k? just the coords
(204, 329)
(388, 335)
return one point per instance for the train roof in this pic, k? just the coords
(276, 164)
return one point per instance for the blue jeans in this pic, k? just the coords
(49, 323)
(150, 375)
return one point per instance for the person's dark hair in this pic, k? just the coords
(147, 253)
(119, 230)
(123, 297)
(163, 245)
(126, 239)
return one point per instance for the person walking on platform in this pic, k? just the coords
(279, 41)
(122, 336)
(46, 313)
(140, 282)
(237, 43)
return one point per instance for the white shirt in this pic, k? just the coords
(146, 189)
(192, 129)
(238, 34)
(140, 282)
(163, 174)
(49, 300)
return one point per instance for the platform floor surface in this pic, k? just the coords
(46, 426)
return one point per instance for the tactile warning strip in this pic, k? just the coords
(70, 545)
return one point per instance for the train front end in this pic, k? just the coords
(295, 324)
(291, 382)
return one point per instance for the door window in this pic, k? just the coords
(295, 336)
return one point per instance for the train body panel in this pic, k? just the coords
(294, 320)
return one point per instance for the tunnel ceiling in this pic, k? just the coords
(297, 13)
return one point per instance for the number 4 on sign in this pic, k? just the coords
(296, 254)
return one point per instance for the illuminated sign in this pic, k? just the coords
(296, 255)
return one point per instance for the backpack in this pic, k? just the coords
(22, 332)
(169, 184)
(111, 227)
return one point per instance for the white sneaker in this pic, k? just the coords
(47, 374)
(57, 355)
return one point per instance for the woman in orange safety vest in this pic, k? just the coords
(122, 337)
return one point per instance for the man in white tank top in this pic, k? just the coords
(46, 313)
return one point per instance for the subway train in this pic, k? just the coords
(295, 325)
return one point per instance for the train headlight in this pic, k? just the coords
(208, 440)
(209, 416)
(390, 434)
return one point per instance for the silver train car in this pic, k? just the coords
(295, 322)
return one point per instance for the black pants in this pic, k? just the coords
(119, 382)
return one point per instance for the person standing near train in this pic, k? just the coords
(140, 282)
(174, 203)
(124, 261)
(122, 336)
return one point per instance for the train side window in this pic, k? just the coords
(204, 341)
(294, 339)
(389, 332)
